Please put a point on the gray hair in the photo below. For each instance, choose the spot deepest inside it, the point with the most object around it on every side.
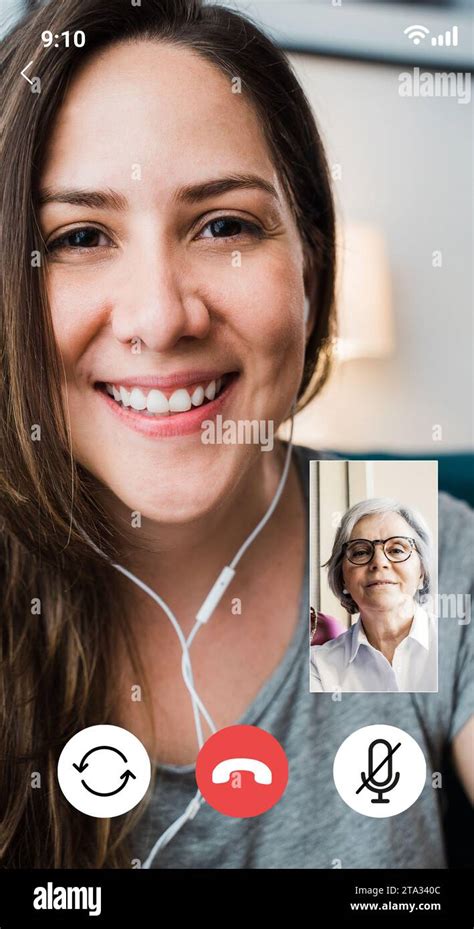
(421, 535)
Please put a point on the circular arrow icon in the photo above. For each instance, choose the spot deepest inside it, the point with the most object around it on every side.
(84, 764)
(103, 752)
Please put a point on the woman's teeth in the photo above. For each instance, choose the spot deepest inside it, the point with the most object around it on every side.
(156, 402)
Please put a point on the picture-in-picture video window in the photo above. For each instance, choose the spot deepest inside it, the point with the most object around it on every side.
(375, 625)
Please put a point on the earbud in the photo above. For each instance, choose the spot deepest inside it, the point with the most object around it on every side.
(306, 309)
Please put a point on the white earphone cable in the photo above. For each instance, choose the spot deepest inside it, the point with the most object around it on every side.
(202, 616)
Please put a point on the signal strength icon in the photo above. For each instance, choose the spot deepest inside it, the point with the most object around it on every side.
(449, 38)
(416, 33)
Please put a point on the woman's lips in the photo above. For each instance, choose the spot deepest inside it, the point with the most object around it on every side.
(381, 584)
(177, 424)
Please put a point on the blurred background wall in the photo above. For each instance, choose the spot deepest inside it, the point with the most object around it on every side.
(406, 171)
(9, 12)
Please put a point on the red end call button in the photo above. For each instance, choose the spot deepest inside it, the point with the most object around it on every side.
(242, 771)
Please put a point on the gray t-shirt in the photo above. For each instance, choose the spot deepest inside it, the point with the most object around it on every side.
(311, 826)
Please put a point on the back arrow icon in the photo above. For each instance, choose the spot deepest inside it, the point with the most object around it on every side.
(25, 69)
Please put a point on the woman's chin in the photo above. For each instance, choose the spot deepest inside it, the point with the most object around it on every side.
(169, 503)
(177, 508)
(382, 600)
(190, 486)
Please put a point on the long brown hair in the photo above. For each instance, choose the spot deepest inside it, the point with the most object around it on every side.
(62, 614)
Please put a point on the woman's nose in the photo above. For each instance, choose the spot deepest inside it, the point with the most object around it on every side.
(379, 559)
(156, 304)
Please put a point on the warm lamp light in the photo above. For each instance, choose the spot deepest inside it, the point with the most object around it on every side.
(364, 299)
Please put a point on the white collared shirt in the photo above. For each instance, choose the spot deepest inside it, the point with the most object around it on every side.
(351, 664)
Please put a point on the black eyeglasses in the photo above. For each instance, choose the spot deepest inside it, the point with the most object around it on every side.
(395, 548)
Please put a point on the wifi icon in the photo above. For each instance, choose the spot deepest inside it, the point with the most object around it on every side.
(416, 33)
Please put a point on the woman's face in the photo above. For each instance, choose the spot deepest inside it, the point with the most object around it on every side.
(161, 286)
(383, 585)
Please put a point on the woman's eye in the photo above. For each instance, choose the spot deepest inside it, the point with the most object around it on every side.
(85, 237)
(226, 227)
(89, 238)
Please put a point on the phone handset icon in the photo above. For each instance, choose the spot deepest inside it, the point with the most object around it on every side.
(222, 771)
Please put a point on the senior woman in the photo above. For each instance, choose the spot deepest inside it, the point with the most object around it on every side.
(380, 568)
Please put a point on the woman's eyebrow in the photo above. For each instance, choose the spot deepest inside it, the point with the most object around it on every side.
(96, 199)
(191, 193)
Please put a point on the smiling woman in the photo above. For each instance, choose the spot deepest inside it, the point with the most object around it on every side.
(380, 568)
(155, 237)
(170, 187)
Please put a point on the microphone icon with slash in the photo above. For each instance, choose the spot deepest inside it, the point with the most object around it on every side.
(380, 785)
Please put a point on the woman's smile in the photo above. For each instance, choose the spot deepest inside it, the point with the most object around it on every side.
(381, 584)
(167, 413)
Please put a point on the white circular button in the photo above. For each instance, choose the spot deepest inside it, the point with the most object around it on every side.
(104, 771)
(379, 771)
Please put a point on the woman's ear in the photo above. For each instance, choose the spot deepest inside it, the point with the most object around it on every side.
(306, 309)
(308, 292)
